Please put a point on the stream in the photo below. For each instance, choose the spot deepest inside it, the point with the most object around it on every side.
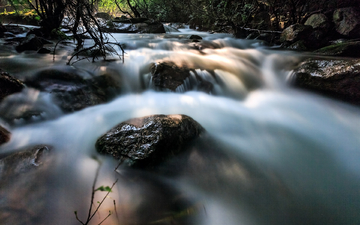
(272, 154)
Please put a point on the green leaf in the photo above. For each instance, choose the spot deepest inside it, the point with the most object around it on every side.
(102, 188)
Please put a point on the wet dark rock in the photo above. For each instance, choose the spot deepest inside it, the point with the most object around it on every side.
(4, 135)
(23, 189)
(9, 85)
(347, 49)
(195, 37)
(347, 21)
(28, 106)
(168, 76)
(150, 140)
(74, 89)
(335, 78)
(31, 42)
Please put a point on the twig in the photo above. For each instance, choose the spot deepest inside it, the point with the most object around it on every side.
(105, 218)
(93, 192)
(116, 213)
(102, 199)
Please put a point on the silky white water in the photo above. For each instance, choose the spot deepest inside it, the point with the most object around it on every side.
(281, 156)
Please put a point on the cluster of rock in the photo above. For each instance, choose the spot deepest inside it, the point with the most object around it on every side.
(321, 30)
(339, 77)
(33, 41)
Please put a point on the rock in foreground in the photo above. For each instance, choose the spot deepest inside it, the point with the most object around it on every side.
(334, 78)
(147, 141)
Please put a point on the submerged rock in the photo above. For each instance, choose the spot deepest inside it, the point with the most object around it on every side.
(167, 76)
(73, 89)
(150, 140)
(335, 78)
(28, 106)
(23, 186)
(9, 85)
(23, 161)
(195, 38)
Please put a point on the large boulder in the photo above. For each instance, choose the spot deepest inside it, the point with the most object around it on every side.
(167, 76)
(338, 78)
(347, 21)
(9, 85)
(74, 89)
(150, 140)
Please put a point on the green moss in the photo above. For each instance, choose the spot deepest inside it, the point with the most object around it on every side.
(350, 49)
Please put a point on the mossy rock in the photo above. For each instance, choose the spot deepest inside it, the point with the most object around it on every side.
(348, 49)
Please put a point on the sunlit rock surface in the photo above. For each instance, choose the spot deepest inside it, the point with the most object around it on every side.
(336, 78)
(149, 140)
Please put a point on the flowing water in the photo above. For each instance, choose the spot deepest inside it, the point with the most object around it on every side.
(272, 154)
